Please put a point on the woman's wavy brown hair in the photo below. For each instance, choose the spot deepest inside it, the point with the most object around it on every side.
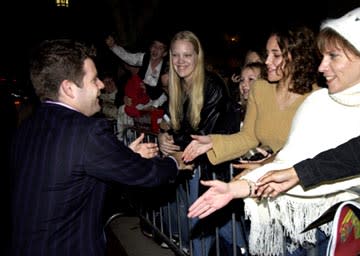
(301, 57)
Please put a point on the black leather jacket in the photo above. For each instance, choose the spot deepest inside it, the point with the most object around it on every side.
(214, 114)
(217, 116)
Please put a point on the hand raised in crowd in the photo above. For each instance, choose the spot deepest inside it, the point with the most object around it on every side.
(167, 145)
(198, 146)
(146, 150)
(275, 182)
(235, 78)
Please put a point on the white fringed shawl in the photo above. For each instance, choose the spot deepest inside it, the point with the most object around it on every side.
(321, 123)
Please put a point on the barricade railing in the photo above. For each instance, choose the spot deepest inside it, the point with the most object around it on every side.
(170, 225)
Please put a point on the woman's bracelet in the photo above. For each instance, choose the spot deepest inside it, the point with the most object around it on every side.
(250, 187)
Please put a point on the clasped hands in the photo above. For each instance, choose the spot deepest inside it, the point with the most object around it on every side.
(169, 148)
(150, 149)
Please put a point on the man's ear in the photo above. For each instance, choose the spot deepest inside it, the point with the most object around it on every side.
(67, 89)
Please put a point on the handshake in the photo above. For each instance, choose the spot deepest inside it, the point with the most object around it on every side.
(180, 162)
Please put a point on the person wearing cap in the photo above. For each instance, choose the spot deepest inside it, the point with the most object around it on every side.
(340, 162)
(326, 119)
(152, 65)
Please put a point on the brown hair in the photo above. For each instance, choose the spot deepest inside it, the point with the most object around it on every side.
(55, 61)
(301, 57)
(329, 37)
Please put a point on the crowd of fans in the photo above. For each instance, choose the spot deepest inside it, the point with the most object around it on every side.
(296, 98)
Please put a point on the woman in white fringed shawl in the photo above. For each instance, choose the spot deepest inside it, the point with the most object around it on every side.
(326, 119)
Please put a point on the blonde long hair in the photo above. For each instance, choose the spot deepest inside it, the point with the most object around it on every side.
(177, 95)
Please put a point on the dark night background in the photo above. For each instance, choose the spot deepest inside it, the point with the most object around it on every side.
(26, 23)
(23, 24)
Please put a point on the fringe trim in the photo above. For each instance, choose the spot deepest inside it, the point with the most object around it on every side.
(264, 231)
(286, 216)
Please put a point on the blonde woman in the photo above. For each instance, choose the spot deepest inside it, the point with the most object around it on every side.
(198, 104)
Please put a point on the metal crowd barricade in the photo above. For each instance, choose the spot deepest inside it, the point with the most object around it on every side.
(163, 223)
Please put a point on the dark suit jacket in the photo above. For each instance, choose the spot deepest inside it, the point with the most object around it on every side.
(333, 164)
(61, 161)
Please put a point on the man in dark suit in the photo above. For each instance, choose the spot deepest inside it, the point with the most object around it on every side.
(62, 157)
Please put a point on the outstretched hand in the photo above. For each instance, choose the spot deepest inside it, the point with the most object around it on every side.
(146, 150)
(275, 182)
(216, 197)
(198, 146)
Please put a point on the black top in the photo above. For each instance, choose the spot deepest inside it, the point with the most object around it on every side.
(340, 162)
(217, 116)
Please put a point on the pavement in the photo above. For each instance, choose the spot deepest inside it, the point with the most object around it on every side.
(126, 239)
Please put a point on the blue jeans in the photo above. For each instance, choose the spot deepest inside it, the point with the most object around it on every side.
(203, 242)
(202, 231)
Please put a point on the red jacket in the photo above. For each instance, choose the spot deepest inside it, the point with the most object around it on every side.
(135, 90)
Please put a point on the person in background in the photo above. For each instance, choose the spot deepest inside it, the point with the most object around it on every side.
(249, 74)
(327, 118)
(164, 123)
(136, 92)
(135, 99)
(151, 63)
(165, 79)
(107, 98)
(251, 56)
(233, 81)
(62, 158)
